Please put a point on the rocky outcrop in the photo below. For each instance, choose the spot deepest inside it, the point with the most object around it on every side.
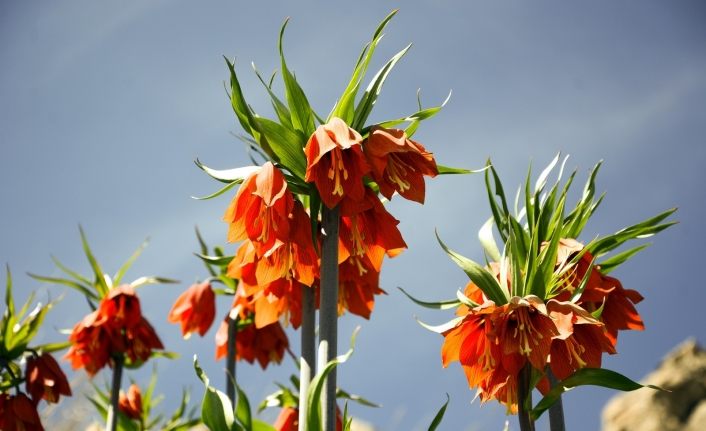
(683, 408)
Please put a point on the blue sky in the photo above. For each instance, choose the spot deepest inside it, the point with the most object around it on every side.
(104, 106)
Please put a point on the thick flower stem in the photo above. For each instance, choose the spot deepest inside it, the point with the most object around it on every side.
(307, 362)
(556, 411)
(524, 398)
(112, 419)
(230, 359)
(328, 314)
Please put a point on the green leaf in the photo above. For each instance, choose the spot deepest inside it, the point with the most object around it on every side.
(287, 144)
(416, 118)
(367, 101)
(613, 262)
(228, 176)
(440, 329)
(313, 396)
(587, 376)
(258, 425)
(439, 415)
(242, 410)
(87, 291)
(143, 281)
(100, 283)
(221, 261)
(340, 393)
(123, 269)
(643, 229)
(479, 275)
(485, 235)
(52, 347)
(344, 108)
(216, 408)
(439, 305)
(9, 302)
(70, 272)
(446, 170)
(217, 193)
(283, 114)
(302, 117)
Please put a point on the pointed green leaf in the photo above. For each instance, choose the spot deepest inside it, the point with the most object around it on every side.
(216, 408)
(587, 376)
(344, 108)
(287, 144)
(87, 291)
(123, 269)
(302, 117)
(440, 329)
(143, 281)
(100, 283)
(439, 305)
(242, 410)
(479, 275)
(613, 262)
(217, 193)
(365, 106)
(283, 114)
(439, 415)
(485, 235)
(228, 176)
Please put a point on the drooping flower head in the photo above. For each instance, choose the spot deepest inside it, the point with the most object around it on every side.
(260, 210)
(130, 404)
(117, 327)
(18, 413)
(263, 345)
(195, 309)
(398, 164)
(288, 420)
(335, 162)
(45, 379)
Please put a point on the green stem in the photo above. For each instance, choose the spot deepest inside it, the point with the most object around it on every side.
(556, 411)
(328, 313)
(307, 362)
(230, 359)
(112, 419)
(524, 398)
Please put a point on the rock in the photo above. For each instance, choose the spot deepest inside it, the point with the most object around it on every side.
(683, 373)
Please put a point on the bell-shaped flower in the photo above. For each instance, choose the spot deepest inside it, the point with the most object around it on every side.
(18, 413)
(260, 210)
(45, 379)
(130, 404)
(265, 345)
(195, 309)
(336, 163)
(398, 164)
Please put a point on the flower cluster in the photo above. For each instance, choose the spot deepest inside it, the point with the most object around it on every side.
(494, 342)
(544, 307)
(115, 329)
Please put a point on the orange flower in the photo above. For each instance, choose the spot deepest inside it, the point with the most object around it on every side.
(493, 343)
(398, 163)
(141, 341)
(91, 345)
(618, 303)
(260, 210)
(121, 308)
(117, 327)
(372, 232)
(18, 413)
(265, 344)
(336, 163)
(581, 341)
(195, 309)
(288, 420)
(131, 404)
(45, 379)
(358, 284)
